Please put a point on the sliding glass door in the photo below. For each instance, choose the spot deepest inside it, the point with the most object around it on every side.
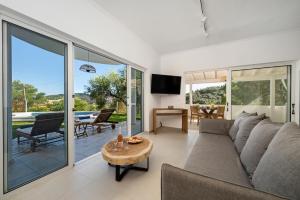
(262, 90)
(35, 105)
(100, 104)
(137, 120)
(35, 108)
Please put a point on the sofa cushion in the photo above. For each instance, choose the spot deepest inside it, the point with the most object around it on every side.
(278, 171)
(215, 126)
(245, 127)
(214, 156)
(235, 127)
(257, 143)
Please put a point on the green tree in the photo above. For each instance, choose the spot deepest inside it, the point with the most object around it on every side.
(281, 92)
(84, 105)
(56, 105)
(250, 92)
(210, 95)
(92, 107)
(109, 88)
(21, 92)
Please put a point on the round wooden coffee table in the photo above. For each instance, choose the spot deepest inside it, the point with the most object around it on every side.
(125, 158)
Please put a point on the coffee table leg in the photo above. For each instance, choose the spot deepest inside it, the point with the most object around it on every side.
(120, 175)
(141, 168)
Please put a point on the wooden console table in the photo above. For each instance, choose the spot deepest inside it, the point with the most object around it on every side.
(171, 112)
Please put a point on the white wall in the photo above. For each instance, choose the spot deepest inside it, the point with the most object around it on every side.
(284, 46)
(87, 21)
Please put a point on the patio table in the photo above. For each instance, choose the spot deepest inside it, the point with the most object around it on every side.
(208, 112)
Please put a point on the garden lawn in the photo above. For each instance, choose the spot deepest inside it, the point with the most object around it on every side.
(118, 117)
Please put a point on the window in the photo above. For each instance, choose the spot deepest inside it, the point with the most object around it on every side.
(262, 90)
(281, 92)
(250, 92)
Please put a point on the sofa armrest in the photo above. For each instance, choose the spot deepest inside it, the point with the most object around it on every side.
(215, 126)
(178, 184)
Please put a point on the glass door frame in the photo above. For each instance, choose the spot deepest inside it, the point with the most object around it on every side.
(291, 84)
(129, 103)
(129, 114)
(68, 91)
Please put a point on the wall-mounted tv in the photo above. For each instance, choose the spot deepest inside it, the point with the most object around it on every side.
(165, 84)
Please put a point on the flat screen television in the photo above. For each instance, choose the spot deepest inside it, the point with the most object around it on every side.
(165, 84)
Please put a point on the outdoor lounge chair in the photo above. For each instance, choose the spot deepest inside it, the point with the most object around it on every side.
(102, 120)
(107, 110)
(43, 125)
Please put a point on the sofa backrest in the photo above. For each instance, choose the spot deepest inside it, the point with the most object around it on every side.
(278, 171)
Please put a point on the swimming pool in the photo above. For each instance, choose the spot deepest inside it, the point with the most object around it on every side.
(30, 116)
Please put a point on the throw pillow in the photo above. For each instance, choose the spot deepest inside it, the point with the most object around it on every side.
(235, 127)
(257, 143)
(278, 171)
(245, 127)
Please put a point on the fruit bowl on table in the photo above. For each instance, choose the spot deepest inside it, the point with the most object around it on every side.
(135, 140)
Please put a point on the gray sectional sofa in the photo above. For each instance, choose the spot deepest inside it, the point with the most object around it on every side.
(261, 160)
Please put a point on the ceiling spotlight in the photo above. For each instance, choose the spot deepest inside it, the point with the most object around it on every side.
(203, 18)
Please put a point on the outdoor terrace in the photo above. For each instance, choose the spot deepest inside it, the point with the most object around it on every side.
(26, 164)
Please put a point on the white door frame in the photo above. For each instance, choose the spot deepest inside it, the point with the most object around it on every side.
(228, 94)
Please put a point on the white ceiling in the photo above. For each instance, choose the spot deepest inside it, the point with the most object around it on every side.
(173, 25)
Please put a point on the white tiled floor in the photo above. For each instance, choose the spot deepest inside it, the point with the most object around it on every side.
(94, 179)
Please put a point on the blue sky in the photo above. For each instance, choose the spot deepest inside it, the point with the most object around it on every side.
(45, 70)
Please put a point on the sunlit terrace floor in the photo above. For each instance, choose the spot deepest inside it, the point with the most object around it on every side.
(26, 165)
